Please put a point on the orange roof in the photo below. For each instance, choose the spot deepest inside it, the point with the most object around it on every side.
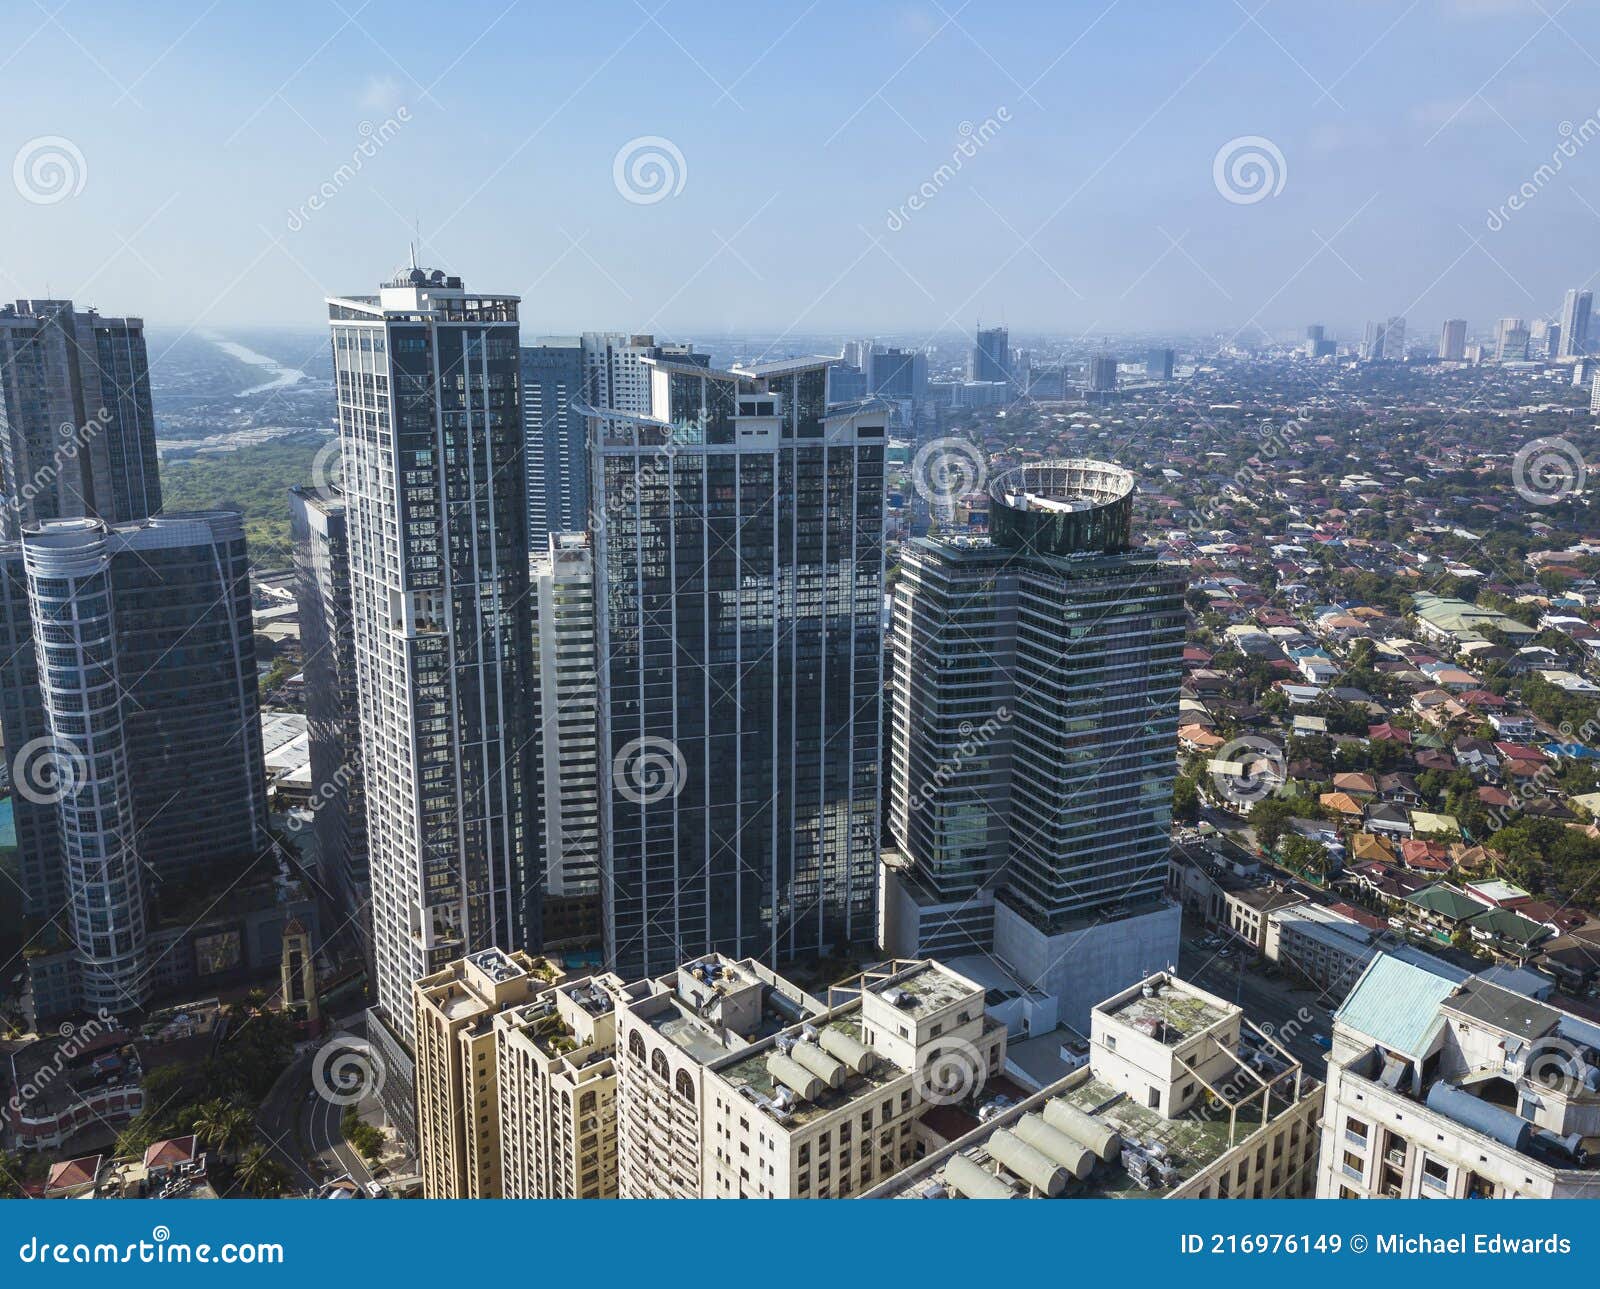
(73, 1172)
(165, 1154)
(1343, 802)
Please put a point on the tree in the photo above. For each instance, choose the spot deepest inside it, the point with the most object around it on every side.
(1185, 800)
(225, 1128)
(260, 1174)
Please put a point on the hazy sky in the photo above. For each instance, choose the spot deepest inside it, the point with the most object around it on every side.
(164, 158)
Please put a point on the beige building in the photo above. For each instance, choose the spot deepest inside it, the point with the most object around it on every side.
(457, 1098)
(731, 1082)
(1182, 1098)
(558, 1090)
(1445, 1085)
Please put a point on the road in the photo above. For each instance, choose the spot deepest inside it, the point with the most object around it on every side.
(1295, 1012)
(302, 1128)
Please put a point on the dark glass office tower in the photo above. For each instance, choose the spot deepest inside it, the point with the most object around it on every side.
(140, 778)
(557, 461)
(77, 434)
(1035, 700)
(430, 425)
(739, 559)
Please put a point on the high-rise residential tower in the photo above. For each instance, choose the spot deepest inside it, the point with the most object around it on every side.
(991, 356)
(426, 378)
(556, 460)
(77, 435)
(327, 639)
(739, 556)
(136, 742)
(564, 644)
(1035, 696)
(1575, 309)
(1453, 340)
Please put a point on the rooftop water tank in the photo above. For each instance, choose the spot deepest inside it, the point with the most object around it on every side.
(1104, 1141)
(1033, 1166)
(794, 1076)
(827, 1069)
(1071, 1154)
(855, 1054)
(973, 1181)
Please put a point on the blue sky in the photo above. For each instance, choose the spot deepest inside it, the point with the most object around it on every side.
(191, 140)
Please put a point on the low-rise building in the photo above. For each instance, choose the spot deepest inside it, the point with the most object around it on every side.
(734, 1083)
(1181, 1098)
(1442, 1084)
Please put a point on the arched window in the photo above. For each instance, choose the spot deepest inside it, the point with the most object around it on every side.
(586, 1103)
(636, 1047)
(658, 1066)
(686, 1086)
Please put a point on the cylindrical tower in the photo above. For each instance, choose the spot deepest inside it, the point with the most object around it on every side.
(68, 565)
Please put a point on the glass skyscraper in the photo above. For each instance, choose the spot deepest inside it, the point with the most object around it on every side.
(1035, 700)
(738, 535)
(426, 377)
(77, 434)
(136, 739)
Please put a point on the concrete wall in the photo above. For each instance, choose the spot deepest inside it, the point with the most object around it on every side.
(1084, 967)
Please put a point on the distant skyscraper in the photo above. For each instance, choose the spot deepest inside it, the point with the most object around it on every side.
(1315, 334)
(426, 379)
(77, 435)
(1575, 323)
(327, 641)
(1384, 340)
(897, 374)
(1049, 655)
(846, 384)
(1158, 364)
(991, 356)
(739, 550)
(557, 461)
(564, 644)
(1102, 373)
(138, 754)
(1453, 340)
(1511, 340)
(1394, 340)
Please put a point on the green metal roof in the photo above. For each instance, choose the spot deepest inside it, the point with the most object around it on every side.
(1446, 902)
(1396, 1001)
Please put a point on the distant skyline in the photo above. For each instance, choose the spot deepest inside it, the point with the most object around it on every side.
(896, 169)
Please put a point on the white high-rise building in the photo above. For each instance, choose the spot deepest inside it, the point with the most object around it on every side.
(564, 636)
(1575, 310)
